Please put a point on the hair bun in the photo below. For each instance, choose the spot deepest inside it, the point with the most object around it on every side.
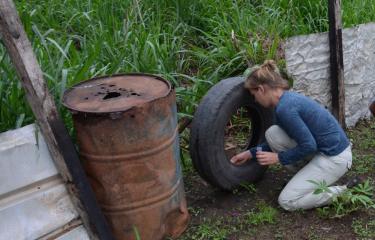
(268, 73)
(270, 64)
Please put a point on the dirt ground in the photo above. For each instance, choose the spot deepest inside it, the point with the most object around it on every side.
(235, 215)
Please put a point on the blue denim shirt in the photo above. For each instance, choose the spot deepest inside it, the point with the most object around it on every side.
(310, 125)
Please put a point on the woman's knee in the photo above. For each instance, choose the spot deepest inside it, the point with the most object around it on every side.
(272, 134)
(290, 198)
(278, 140)
(287, 201)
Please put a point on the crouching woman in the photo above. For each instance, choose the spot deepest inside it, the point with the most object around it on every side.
(306, 139)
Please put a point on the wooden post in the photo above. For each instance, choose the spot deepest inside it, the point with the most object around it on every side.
(336, 61)
(372, 106)
(57, 138)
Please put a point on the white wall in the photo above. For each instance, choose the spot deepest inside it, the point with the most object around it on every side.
(307, 60)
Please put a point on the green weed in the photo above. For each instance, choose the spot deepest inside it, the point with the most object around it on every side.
(363, 163)
(195, 211)
(212, 230)
(363, 137)
(364, 230)
(353, 199)
(321, 187)
(312, 235)
(263, 214)
(249, 187)
(136, 233)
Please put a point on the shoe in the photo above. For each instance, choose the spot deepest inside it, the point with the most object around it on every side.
(355, 181)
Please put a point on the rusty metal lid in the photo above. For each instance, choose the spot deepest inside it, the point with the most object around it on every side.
(115, 93)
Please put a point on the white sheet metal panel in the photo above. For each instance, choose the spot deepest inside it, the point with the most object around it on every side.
(36, 214)
(24, 159)
(33, 198)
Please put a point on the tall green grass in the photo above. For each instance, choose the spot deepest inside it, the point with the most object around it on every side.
(193, 44)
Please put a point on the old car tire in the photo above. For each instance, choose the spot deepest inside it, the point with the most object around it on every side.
(207, 134)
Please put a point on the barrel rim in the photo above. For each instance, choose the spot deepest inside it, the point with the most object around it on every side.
(75, 110)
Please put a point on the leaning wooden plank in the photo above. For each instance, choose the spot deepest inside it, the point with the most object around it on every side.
(58, 141)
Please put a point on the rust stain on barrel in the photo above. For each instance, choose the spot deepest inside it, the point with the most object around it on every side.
(126, 129)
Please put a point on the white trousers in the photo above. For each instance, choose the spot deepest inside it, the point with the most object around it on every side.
(299, 192)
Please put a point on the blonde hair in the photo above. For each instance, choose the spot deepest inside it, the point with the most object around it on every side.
(266, 74)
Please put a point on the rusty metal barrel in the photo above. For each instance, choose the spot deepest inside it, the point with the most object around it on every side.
(126, 128)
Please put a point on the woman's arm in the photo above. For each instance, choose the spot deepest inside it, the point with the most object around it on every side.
(265, 148)
(244, 156)
(292, 123)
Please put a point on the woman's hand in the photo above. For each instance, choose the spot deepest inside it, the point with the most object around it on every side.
(267, 158)
(241, 158)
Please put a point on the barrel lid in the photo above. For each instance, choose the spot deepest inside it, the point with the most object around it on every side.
(115, 93)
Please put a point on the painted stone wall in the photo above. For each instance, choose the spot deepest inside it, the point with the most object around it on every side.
(307, 60)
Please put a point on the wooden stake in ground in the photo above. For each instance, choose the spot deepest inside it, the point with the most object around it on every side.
(57, 138)
(337, 61)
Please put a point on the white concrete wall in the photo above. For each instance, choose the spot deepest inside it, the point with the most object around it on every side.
(307, 60)
(33, 198)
